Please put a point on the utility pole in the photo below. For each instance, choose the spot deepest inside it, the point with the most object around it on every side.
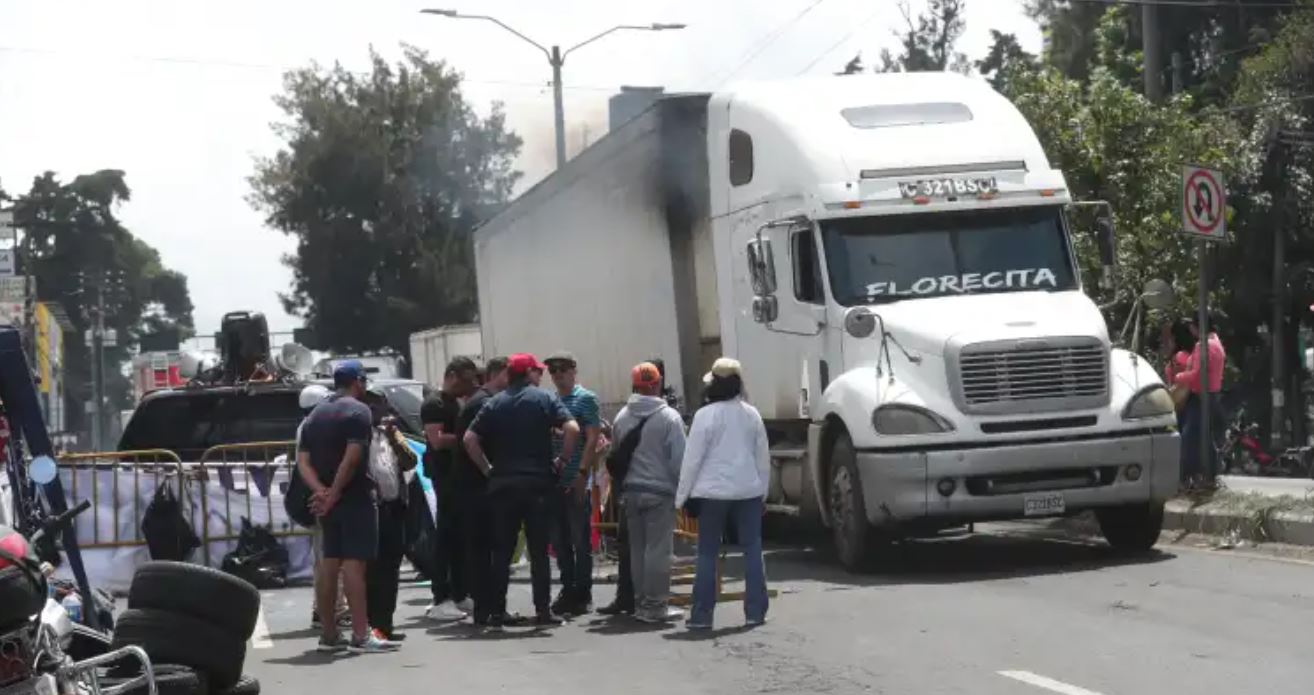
(1152, 50)
(1177, 72)
(558, 106)
(1277, 432)
(556, 58)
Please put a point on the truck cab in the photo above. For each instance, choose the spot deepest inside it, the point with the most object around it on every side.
(895, 269)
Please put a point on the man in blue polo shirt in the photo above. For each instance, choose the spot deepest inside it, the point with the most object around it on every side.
(573, 538)
(510, 441)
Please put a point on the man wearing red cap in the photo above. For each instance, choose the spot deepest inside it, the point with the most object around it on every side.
(510, 440)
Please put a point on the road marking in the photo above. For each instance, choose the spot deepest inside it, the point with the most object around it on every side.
(260, 637)
(1047, 683)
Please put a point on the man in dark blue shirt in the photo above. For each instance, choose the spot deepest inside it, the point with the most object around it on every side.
(510, 441)
(334, 444)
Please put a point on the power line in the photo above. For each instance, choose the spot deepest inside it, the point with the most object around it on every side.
(768, 40)
(205, 62)
(862, 25)
(1207, 4)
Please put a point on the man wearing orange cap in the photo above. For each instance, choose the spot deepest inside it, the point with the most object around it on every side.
(655, 433)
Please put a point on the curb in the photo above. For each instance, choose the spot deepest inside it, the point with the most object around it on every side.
(1270, 525)
(1273, 524)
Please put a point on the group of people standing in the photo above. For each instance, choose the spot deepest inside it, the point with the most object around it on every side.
(512, 459)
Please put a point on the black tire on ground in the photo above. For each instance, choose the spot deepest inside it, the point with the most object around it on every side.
(248, 685)
(173, 638)
(169, 680)
(201, 592)
(1131, 528)
(858, 544)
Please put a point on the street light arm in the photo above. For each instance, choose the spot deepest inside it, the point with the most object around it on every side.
(621, 27)
(494, 20)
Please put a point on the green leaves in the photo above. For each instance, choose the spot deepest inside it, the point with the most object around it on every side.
(78, 249)
(382, 178)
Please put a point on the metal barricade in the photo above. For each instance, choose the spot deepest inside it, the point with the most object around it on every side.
(84, 475)
(248, 475)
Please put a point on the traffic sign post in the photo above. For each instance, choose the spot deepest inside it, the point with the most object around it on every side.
(1204, 216)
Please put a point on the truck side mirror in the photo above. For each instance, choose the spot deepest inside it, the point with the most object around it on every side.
(762, 266)
(1106, 240)
(765, 309)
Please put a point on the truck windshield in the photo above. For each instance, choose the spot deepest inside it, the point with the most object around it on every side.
(874, 260)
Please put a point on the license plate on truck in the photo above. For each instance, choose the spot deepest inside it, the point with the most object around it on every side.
(1043, 504)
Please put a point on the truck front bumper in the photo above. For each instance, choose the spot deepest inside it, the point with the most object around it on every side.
(995, 483)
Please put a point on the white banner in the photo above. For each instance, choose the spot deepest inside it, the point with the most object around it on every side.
(1023, 279)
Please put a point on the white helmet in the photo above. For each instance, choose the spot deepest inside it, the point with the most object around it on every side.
(312, 396)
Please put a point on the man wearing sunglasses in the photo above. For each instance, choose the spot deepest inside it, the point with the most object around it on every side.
(573, 538)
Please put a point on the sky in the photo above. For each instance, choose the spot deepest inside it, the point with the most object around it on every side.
(178, 93)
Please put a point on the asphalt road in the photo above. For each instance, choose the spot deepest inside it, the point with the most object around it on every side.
(1009, 611)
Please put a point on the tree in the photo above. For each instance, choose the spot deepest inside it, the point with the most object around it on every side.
(1006, 56)
(381, 180)
(77, 249)
(853, 67)
(929, 40)
(1114, 145)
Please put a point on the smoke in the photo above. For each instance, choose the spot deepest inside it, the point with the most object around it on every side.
(586, 122)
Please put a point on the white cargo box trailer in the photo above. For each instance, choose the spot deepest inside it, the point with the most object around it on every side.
(432, 349)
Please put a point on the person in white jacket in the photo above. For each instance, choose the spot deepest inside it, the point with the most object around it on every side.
(724, 477)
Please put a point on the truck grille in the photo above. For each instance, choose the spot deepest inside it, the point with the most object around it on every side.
(1033, 375)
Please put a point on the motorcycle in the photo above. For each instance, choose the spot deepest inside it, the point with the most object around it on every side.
(42, 650)
(1242, 453)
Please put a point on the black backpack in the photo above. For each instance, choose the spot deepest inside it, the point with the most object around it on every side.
(169, 535)
(618, 461)
(296, 500)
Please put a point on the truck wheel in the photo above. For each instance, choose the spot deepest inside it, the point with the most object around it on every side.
(856, 543)
(1132, 528)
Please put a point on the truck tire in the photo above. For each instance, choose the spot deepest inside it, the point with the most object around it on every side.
(1132, 528)
(857, 543)
(248, 685)
(213, 596)
(169, 680)
(173, 638)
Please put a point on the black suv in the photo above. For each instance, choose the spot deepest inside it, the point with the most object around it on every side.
(187, 421)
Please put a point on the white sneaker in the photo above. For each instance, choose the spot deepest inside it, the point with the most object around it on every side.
(445, 612)
(466, 606)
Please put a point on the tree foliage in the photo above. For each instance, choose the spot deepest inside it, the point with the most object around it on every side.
(1005, 57)
(77, 248)
(381, 180)
(926, 42)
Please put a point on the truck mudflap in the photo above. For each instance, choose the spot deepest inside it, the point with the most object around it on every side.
(1018, 480)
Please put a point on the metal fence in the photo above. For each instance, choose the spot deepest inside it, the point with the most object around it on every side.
(228, 483)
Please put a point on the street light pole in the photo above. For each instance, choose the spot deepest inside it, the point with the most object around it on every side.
(557, 59)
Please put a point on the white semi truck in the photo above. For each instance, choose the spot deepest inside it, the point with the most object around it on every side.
(889, 256)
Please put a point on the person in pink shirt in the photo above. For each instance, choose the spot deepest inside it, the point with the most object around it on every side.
(1193, 460)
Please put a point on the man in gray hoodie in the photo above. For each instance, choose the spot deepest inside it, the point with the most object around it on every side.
(648, 491)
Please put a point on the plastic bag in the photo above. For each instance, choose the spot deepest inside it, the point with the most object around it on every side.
(259, 558)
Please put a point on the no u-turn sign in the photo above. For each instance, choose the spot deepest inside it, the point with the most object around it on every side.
(1204, 203)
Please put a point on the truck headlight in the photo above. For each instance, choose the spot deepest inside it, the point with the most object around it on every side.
(899, 419)
(1150, 402)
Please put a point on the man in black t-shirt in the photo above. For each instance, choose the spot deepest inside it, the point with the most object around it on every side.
(476, 517)
(439, 414)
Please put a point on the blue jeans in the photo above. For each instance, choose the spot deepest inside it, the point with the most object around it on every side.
(712, 518)
(572, 542)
